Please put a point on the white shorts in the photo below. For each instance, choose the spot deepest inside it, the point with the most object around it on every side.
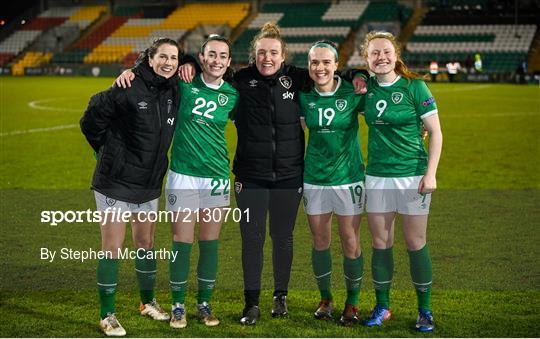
(104, 203)
(396, 195)
(345, 199)
(185, 192)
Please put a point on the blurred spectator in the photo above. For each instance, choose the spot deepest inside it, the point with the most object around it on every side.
(477, 63)
(434, 70)
(521, 71)
(452, 68)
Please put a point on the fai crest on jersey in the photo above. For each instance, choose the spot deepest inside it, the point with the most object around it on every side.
(172, 199)
(222, 99)
(396, 97)
(341, 104)
(285, 81)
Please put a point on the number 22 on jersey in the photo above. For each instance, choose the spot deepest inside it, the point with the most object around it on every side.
(201, 103)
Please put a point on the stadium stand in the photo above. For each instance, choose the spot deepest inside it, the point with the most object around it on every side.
(17, 42)
(476, 26)
(128, 39)
(379, 15)
(192, 15)
(51, 30)
(457, 30)
(30, 59)
(303, 24)
(442, 30)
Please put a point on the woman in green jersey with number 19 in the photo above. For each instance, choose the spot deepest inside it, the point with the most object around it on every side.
(333, 176)
(400, 175)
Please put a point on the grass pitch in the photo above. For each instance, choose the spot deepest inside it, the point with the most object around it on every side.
(483, 228)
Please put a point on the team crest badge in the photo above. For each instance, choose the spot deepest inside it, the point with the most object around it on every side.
(341, 104)
(396, 97)
(110, 201)
(222, 99)
(285, 81)
(238, 187)
(172, 199)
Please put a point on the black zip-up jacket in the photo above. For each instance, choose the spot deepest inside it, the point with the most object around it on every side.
(131, 131)
(270, 138)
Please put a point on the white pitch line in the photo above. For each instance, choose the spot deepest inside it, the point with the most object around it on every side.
(37, 104)
(39, 130)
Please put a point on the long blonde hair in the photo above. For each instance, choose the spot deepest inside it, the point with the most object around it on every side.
(401, 68)
(269, 30)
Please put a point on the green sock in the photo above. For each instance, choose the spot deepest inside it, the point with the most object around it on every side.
(382, 270)
(421, 274)
(353, 269)
(322, 268)
(146, 275)
(179, 271)
(107, 278)
(207, 269)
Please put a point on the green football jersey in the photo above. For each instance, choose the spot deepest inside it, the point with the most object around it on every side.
(333, 155)
(394, 114)
(199, 148)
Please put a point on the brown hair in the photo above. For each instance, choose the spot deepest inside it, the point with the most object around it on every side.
(401, 68)
(216, 37)
(269, 30)
(149, 52)
(229, 73)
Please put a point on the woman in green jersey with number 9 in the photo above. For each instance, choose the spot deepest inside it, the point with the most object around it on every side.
(333, 176)
(400, 175)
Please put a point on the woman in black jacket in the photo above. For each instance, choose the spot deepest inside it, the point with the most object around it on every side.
(131, 131)
(268, 165)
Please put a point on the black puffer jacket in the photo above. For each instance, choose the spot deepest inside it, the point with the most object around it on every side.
(131, 130)
(270, 138)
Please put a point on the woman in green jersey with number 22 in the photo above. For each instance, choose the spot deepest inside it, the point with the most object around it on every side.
(400, 174)
(198, 185)
(333, 176)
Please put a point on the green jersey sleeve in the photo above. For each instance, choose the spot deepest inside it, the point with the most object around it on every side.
(424, 101)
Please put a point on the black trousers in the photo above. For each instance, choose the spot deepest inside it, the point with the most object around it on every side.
(280, 201)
